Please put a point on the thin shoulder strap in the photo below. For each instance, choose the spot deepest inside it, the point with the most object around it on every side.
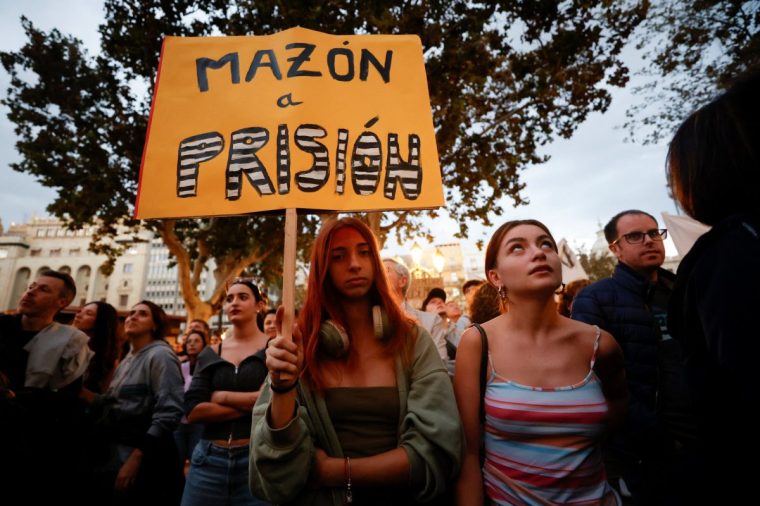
(596, 346)
(483, 369)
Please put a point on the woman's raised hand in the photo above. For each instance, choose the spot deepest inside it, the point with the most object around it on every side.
(284, 355)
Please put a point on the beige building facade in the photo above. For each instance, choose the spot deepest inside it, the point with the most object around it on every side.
(28, 249)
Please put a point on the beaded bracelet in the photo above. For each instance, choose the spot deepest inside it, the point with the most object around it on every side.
(347, 472)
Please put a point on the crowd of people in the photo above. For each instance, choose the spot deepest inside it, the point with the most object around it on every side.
(635, 389)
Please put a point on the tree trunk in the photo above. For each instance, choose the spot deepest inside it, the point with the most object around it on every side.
(373, 222)
(202, 311)
(189, 279)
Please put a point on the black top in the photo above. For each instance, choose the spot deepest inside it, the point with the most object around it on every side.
(213, 373)
(713, 313)
(13, 356)
(40, 429)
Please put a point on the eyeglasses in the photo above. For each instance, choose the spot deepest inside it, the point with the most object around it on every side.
(638, 237)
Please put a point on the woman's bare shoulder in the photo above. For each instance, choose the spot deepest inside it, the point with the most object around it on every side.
(609, 353)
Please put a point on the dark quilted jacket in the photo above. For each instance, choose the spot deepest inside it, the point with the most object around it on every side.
(619, 305)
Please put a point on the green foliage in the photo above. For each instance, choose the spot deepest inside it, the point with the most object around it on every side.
(597, 266)
(505, 78)
(695, 49)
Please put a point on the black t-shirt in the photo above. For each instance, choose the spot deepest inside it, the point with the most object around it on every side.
(13, 356)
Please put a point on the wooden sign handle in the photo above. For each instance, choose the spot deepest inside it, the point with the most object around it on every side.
(289, 272)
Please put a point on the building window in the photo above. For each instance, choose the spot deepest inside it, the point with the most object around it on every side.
(127, 269)
(55, 252)
(75, 251)
(125, 284)
(123, 299)
(3, 253)
(35, 252)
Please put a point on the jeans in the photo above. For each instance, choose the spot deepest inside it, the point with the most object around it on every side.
(219, 476)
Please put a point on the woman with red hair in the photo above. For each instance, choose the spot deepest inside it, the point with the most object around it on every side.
(358, 405)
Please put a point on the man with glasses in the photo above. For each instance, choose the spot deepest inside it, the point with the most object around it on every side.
(632, 306)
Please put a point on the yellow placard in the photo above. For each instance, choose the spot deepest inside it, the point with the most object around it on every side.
(299, 119)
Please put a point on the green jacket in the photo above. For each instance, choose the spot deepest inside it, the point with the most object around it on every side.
(429, 430)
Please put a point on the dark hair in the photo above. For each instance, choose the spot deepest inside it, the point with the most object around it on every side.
(610, 229)
(203, 336)
(104, 342)
(160, 321)
(485, 304)
(323, 303)
(492, 251)
(69, 290)
(250, 284)
(564, 306)
(436, 292)
(471, 283)
(193, 361)
(187, 336)
(257, 297)
(713, 163)
(205, 324)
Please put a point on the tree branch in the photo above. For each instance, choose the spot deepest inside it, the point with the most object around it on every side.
(400, 218)
(229, 270)
(175, 246)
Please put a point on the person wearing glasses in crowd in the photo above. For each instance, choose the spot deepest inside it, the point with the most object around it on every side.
(632, 306)
(222, 393)
(358, 406)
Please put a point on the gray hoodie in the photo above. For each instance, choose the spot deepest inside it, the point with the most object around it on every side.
(145, 397)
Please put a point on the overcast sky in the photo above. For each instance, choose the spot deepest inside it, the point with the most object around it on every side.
(588, 179)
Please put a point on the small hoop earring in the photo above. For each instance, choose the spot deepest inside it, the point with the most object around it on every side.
(561, 289)
(502, 291)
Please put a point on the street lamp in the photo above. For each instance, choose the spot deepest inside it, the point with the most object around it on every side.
(416, 254)
(439, 261)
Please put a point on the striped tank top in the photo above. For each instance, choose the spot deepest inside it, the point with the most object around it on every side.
(543, 445)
